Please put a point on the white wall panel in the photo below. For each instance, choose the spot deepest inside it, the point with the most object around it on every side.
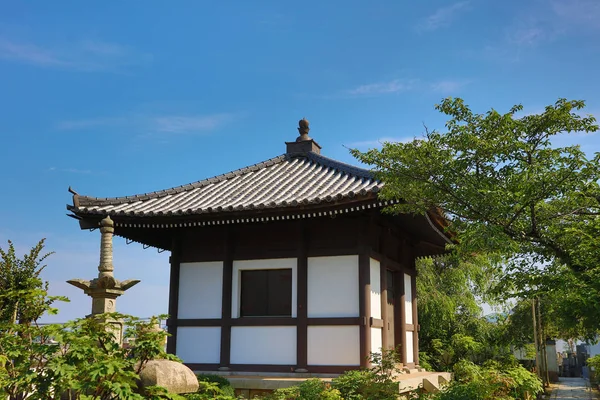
(275, 263)
(200, 290)
(376, 340)
(410, 357)
(263, 345)
(333, 345)
(199, 344)
(333, 286)
(408, 298)
(375, 288)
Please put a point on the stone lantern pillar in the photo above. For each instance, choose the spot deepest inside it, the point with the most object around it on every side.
(105, 289)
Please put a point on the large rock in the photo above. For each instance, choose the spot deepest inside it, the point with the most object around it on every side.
(174, 376)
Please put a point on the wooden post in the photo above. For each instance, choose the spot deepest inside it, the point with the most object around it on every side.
(415, 318)
(226, 302)
(364, 301)
(302, 301)
(384, 307)
(173, 294)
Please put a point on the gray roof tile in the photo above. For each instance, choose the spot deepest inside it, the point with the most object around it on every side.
(285, 181)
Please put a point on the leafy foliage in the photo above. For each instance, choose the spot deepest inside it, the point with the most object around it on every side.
(492, 381)
(365, 384)
(507, 190)
(212, 387)
(80, 359)
(310, 389)
(21, 274)
(452, 325)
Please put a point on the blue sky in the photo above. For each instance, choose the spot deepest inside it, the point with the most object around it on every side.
(118, 98)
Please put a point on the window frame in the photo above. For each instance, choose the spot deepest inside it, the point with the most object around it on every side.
(267, 275)
(262, 264)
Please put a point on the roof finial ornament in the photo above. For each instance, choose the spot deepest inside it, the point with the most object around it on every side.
(303, 130)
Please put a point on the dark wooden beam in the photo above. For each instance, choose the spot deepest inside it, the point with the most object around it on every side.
(316, 369)
(364, 294)
(226, 320)
(401, 301)
(280, 321)
(415, 317)
(174, 294)
(302, 299)
(384, 307)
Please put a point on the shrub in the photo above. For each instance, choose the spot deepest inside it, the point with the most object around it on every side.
(475, 390)
(594, 363)
(466, 371)
(365, 385)
(493, 381)
(222, 383)
(311, 389)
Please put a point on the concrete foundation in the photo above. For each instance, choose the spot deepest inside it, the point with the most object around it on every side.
(250, 384)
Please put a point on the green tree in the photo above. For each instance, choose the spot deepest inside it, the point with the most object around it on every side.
(21, 274)
(80, 358)
(450, 314)
(506, 189)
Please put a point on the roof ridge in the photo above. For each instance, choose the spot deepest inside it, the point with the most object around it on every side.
(192, 185)
(341, 166)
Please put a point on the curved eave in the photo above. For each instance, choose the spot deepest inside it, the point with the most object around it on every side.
(328, 206)
(251, 208)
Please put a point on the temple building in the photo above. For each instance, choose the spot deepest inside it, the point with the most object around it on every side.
(288, 265)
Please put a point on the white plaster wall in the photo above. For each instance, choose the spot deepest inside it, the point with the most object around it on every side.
(200, 290)
(263, 345)
(375, 288)
(333, 345)
(376, 340)
(408, 298)
(409, 348)
(199, 344)
(333, 286)
(275, 263)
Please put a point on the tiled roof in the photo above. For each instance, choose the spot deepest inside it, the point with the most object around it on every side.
(286, 181)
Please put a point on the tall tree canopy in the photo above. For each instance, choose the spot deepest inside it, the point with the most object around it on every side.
(506, 189)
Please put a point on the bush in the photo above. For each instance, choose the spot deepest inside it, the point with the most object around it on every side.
(222, 383)
(493, 381)
(594, 363)
(212, 387)
(311, 389)
(365, 385)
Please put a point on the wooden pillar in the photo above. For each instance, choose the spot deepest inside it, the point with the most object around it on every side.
(302, 301)
(400, 316)
(384, 307)
(415, 316)
(226, 302)
(174, 260)
(364, 301)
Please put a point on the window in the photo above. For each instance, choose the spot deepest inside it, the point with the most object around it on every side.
(266, 293)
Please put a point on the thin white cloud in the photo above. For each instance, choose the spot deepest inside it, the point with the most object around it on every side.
(448, 86)
(186, 124)
(152, 124)
(70, 170)
(580, 13)
(528, 35)
(378, 142)
(548, 20)
(28, 53)
(380, 88)
(86, 55)
(442, 17)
